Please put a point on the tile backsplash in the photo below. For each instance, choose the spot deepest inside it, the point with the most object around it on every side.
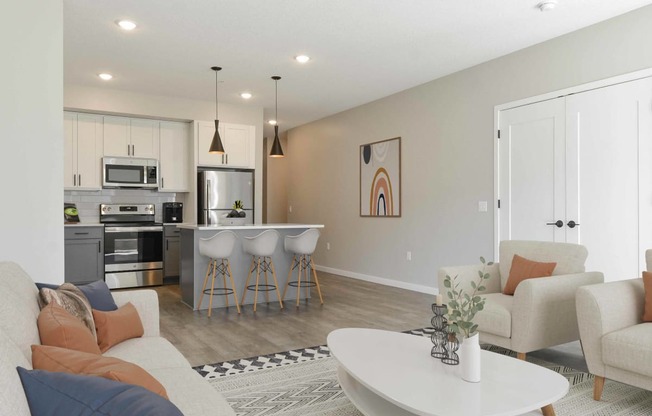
(88, 203)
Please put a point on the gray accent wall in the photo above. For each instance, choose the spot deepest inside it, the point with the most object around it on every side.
(447, 131)
(31, 137)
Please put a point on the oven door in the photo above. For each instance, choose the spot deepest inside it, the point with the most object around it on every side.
(133, 248)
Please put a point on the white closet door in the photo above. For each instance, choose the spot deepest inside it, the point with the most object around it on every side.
(532, 172)
(608, 142)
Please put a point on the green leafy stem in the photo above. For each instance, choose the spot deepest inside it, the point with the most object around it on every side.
(462, 307)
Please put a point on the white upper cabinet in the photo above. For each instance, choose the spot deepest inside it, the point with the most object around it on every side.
(174, 161)
(116, 136)
(239, 144)
(144, 138)
(83, 144)
(131, 137)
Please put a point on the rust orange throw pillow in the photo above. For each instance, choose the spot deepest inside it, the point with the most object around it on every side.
(647, 308)
(58, 328)
(75, 362)
(522, 269)
(116, 326)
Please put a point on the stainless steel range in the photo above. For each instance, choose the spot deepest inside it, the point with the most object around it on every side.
(133, 245)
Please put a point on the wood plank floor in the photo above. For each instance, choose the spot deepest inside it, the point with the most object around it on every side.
(347, 303)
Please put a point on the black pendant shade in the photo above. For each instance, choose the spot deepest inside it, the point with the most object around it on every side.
(277, 150)
(216, 144)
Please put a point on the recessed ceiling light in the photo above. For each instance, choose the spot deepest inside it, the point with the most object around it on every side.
(246, 95)
(547, 5)
(105, 76)
(302, 59)
(272, 122)
(126, 24)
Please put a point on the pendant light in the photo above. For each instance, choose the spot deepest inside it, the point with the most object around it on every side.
(216, 143)
(277, 151)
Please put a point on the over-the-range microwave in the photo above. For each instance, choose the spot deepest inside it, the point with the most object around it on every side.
(123, 172)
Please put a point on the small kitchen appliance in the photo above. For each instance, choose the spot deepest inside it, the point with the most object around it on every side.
(172, 212)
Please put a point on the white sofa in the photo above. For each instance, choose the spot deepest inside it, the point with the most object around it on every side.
(617, 343)
(542, 312)
(18, 331)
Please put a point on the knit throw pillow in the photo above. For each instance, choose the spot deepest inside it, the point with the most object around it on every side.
(70, 298)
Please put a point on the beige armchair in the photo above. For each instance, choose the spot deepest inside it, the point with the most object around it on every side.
(617, 343)
(542, 312)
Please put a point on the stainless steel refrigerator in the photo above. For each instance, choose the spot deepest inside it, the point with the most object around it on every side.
(217, 191)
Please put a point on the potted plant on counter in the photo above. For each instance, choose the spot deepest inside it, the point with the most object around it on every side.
(462, 308)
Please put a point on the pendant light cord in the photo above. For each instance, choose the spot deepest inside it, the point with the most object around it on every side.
(216, 102)
(276, 93)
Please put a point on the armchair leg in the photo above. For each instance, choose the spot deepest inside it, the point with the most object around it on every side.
(598, 385)
(548, 410)
(520, 356)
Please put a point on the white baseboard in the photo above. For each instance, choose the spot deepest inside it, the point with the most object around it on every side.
(380, 280)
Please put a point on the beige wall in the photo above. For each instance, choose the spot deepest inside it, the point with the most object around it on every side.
(31, 138)
(447, 141)
(276, 183)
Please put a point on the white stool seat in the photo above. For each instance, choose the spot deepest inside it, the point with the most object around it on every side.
(302, 246)
(304, 243)
(262, 245)
(219, 246)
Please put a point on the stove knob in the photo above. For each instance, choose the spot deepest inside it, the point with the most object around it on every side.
(108, 209)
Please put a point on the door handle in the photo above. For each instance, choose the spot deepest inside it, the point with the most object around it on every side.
(227, 159)
(162, 182)
(74, 179)
(572, 224)
(80, 180)
(558, 223)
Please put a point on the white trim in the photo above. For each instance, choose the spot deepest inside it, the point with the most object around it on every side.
(380, 280)
(606, 82)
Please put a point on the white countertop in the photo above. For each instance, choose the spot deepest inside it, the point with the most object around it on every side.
(247, 227)
(83, 224)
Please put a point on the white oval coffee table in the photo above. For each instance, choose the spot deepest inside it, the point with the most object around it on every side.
(392, 374)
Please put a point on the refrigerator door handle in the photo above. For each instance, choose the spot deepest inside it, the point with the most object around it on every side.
(208, 194)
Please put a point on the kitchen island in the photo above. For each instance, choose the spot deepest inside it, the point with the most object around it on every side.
(193, 264)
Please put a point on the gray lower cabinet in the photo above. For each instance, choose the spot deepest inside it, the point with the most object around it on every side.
(84, 254)
(171, 251)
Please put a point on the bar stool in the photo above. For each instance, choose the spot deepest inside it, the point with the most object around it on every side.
(302, 246)
(218, 248)
(261, 248)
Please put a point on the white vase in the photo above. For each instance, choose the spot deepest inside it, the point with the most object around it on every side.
(470, 359)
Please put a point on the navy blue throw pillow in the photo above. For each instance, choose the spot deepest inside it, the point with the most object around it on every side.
(97, 293)
(99, 296)
(54, 394)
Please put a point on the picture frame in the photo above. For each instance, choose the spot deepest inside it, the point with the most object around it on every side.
(380, 179)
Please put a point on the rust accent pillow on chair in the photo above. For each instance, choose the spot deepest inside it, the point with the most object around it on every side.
(59, 328)
(75, 362)
(647, 307)
(523, 269)
(116, 326)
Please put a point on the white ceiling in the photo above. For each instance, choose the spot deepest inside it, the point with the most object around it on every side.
(361, 50)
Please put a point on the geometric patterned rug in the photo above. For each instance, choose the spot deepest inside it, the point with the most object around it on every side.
(304, 383)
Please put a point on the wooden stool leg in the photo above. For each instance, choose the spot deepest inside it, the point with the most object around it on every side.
(266, 282)
(299, 280)
(210, 301)
(235, 294)
(306, 287)
(598, 385)
(257, 282)
(287, 283)
(245, 290)
(314, 273)
(548, 410)
(278, 293)
(520, 355)
(224, 280)
(208, 270)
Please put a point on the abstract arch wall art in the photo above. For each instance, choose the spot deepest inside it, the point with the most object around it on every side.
(380, 179)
